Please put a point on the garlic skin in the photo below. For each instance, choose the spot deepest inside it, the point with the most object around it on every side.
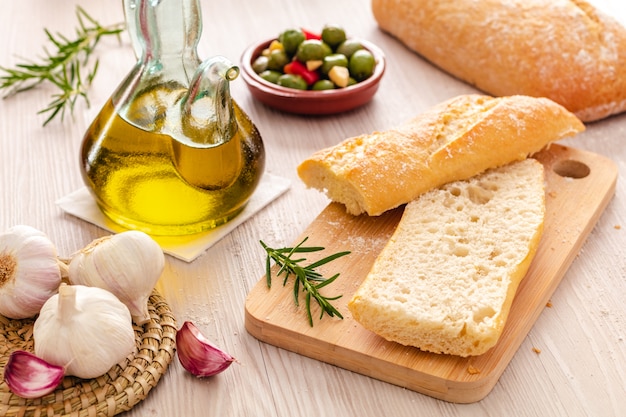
(29, 271)
(128, 264)
(86, 330)
(197, 354)
(30, 376)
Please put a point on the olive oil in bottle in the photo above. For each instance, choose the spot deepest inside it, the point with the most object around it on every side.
(162, 185)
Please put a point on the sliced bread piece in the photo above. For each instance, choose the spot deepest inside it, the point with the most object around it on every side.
(446, 279)
(452, 141)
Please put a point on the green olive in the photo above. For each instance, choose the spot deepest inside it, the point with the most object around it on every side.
(348, 47)
(362, 64)
(333, 35)
(323, 85)
(277, 60)
(332, 61)
(291, 39)
(260, 64)
(313, 50)
(270, 75)
(292, 81)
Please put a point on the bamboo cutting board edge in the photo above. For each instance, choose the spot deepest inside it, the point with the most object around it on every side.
(271, 316)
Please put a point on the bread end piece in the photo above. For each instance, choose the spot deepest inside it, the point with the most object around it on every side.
(454, 140)
(446, 279)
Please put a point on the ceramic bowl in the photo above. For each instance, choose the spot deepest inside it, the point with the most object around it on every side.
(309, 102)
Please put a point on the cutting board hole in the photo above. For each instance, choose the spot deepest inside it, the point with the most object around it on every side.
(571, 169)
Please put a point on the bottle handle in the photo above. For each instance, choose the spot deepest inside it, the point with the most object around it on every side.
(208, 98)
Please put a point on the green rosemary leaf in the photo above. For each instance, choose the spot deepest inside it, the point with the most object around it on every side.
(83, 14)
(327, 281)
(62, 67)
(93, 72)
(299, 248)
(268, 273)
(307, 304)
(296, 287)
(52, 39)
(308, 249)
(306, 279)
(327, 259)
(332, 311)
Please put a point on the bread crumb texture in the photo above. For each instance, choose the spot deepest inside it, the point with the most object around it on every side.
(472, 370)
(446, 279)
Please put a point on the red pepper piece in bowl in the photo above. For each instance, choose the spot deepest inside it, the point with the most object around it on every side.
(298, 68)
(311, 35)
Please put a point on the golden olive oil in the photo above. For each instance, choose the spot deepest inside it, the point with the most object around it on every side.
(155, 182)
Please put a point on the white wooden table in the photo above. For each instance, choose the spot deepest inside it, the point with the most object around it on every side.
(581, 370)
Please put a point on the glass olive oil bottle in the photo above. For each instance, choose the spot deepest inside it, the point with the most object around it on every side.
(168, 154)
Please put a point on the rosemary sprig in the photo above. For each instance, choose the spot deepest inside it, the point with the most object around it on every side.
(67, 68)
(306, 277)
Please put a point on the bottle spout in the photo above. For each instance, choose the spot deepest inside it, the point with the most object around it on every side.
(208, 107)
(218, 68)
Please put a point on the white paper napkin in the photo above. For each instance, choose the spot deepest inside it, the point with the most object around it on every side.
(81, 204)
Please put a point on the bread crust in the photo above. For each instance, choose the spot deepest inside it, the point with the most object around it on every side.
(454, 140)
(565, 50)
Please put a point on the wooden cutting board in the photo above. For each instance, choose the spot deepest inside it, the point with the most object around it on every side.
(579, 185)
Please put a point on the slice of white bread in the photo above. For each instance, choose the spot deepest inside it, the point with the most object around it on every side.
(566, 50)
(454, 140)
(446, 279)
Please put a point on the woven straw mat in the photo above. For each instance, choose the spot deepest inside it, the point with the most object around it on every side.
(123, 386)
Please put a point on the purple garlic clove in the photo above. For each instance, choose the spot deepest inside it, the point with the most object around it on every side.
(198, 355)
(29, 376)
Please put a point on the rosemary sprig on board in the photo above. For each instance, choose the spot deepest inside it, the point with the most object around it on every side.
(70, 67)
(306, 278)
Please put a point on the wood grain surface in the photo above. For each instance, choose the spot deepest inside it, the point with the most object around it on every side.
(579, 371)
(579, 185)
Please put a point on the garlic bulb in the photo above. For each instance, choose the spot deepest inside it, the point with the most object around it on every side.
(86, 330)
(29, 271)
(198, 355)
(30, 376)
(127, 264)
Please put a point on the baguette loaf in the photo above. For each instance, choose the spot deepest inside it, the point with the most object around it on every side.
(565, 50)
(455, 140)
(446, 279)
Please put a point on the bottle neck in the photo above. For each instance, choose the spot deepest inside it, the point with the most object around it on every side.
(165, 34)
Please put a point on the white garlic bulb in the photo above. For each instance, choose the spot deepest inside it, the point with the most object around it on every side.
(127, 264)
(29, 271)
(86, 330)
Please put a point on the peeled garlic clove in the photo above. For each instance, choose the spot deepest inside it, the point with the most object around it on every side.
(30, 376)
(197, 354)
(128, 264)
(29, 271)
